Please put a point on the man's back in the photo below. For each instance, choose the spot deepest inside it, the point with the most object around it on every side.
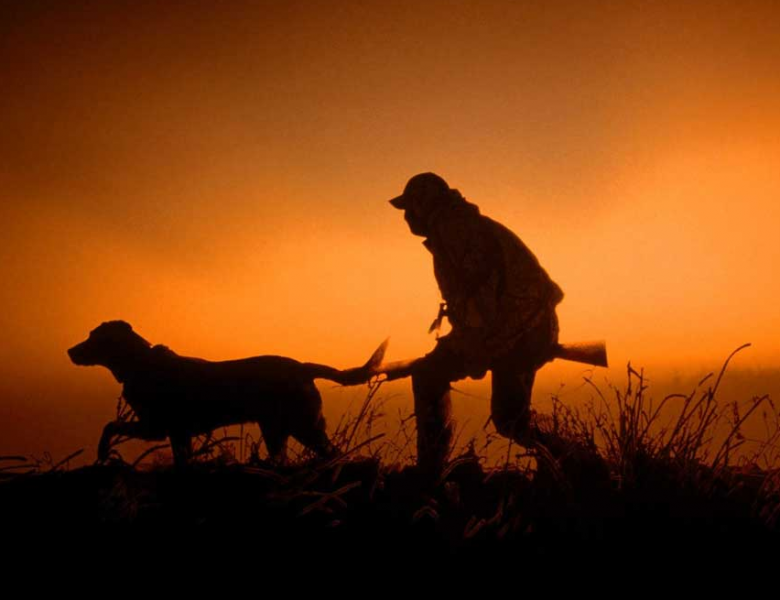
(490, 279)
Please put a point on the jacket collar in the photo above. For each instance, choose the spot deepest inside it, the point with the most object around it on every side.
(445, 212)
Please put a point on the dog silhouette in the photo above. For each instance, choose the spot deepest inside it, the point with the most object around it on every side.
(178, 397)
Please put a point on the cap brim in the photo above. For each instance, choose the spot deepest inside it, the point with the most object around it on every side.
(399, 202)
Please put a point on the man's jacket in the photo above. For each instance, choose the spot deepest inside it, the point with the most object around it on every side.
(494, 287)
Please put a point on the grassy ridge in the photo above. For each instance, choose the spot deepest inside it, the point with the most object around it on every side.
(623, 474)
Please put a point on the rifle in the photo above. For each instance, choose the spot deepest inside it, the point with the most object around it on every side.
(590, 353)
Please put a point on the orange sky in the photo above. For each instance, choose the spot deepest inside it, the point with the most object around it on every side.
(218, 177)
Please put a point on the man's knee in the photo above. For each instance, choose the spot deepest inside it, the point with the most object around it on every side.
(432, 375)
(427, 376)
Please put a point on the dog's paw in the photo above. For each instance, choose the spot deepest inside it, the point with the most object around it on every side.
(103, 453)
(104, 446)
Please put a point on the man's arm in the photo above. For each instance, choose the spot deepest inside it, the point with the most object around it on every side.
(473, 269)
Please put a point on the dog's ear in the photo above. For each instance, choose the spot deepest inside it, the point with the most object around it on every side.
(111, 328)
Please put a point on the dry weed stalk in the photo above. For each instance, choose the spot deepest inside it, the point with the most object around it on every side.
(635, 434)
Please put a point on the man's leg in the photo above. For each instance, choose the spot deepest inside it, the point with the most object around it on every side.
(513, 379)
(431, 379)
(510, 404)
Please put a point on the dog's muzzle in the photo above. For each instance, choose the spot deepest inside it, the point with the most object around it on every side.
(77, 355)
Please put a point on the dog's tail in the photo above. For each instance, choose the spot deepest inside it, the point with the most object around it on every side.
(350, 376)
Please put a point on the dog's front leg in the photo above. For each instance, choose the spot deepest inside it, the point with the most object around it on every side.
(134, 429)
(109, 431)
(181, 444)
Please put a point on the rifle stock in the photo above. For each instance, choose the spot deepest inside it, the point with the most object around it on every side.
(590, 353)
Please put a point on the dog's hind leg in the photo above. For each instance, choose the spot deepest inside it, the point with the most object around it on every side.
(275, 443)
(316, 439)
(307, 424)
(320, 443)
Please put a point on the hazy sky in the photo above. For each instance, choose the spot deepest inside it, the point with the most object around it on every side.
(218, 175)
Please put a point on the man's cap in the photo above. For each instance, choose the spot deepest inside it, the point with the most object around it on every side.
(424, 185)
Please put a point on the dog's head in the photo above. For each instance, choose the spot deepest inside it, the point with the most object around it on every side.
(113, 344)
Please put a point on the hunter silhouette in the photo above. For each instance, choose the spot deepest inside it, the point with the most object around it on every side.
(500, 303)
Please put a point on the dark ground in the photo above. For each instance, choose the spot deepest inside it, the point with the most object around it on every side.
(572, 509)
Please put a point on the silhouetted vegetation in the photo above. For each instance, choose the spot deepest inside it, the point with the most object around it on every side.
(622, 473)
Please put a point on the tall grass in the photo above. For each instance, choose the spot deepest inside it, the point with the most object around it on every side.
(684, 431)
(694, 442)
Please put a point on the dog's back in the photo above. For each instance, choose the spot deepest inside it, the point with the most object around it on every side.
(198, 394)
